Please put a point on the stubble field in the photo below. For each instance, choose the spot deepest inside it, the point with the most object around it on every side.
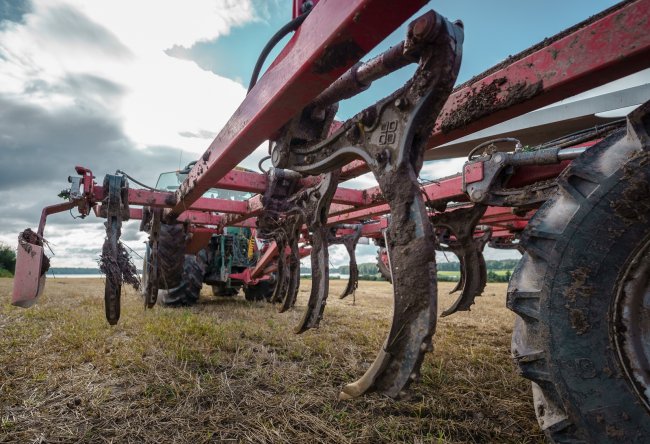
(228, 370)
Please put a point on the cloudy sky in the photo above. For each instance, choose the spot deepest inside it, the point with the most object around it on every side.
(145, 85)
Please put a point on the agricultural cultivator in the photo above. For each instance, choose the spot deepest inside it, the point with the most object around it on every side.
(577, 207)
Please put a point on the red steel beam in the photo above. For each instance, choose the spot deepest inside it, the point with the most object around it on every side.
(616, 45)
(253, 182)
(52, 209)
(334, 37)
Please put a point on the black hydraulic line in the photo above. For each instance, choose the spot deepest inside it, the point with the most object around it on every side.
(122, 173)
(282, 32)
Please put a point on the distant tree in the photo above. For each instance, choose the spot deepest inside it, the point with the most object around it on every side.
(7, 258)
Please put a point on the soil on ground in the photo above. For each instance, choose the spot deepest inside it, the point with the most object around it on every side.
(228, 370)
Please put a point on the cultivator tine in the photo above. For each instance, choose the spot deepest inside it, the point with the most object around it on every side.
(316, 207)
(153, 266)
(319, 281)
(289, 298)
(473, 273)
(353, 279)
(350, 242)
(283, 273)
(412, 256)
(390, 136)
(113, 284)
(114, 261)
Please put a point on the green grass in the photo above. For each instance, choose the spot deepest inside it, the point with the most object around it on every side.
(232, 370)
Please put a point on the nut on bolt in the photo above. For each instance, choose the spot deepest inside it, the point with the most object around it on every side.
(425, 26)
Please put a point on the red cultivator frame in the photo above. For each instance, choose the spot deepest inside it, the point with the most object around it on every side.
(577, 294)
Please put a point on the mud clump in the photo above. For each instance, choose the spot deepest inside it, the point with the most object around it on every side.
(26, 239)
(121, 270)
(487, 100)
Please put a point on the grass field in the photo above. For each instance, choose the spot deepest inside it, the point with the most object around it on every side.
(232, 371)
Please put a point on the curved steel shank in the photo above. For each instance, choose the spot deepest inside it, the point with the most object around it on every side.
(349, 241)
(391, 138)
(473, 272)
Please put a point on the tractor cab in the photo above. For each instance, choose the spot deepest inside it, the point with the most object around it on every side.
(171, 180)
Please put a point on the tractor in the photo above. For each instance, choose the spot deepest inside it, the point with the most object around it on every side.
(218, 264)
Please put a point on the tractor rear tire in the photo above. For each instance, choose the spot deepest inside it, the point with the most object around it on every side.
(171, 252)
(260, 292)
(187, 293)
(582, 334)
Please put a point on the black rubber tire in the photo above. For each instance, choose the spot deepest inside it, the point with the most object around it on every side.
(221, 290)
(260, 292)
(578, 246)
(171, 252)
(187, 293)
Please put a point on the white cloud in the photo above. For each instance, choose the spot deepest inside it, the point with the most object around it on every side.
(123, 43)
(107, 58)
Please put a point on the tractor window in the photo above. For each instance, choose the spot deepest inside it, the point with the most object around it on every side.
(169, 181)
(172, 180)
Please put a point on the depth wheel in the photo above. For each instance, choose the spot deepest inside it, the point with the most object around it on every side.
(581, 293)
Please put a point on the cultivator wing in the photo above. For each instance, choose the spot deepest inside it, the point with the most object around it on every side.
(300, 209)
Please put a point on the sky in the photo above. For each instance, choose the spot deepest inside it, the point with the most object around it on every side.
(144, 86)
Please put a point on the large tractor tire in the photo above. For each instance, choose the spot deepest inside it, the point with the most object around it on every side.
(171, 252)
(189, 289)
(582, 296)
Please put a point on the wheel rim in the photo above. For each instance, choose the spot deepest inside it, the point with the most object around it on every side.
(632, 323)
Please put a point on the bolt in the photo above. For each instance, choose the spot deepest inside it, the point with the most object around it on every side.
(424, 26)
(382, 156)
(402, 103)
(497, 158)
(477, 195)
(421, 27)
(353, 134)
(368, 116)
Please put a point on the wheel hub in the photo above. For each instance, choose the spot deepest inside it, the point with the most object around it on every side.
(632, 323)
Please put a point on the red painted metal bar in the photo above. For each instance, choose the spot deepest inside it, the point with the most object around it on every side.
(264, 261)
(336, 35)
(243, 181)
(494, 216)
(52, 209)
(256, 183)
(607, 49)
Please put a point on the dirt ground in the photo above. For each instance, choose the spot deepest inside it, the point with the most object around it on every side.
(232, 371)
